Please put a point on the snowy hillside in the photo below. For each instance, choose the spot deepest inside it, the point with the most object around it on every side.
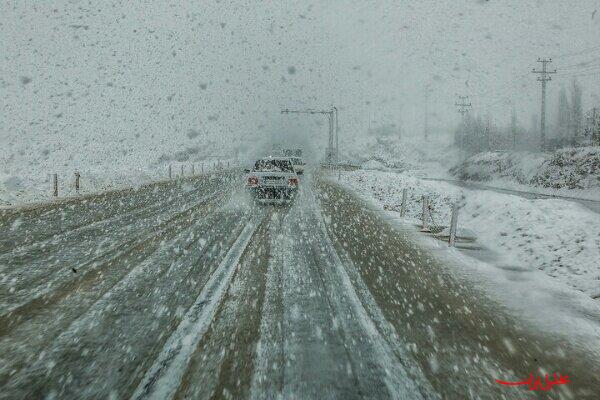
(575, 169)
(570, 168)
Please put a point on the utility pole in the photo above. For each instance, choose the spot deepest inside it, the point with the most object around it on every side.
(513, 127)
(426, 124)
(592, 125)
(463, 108)
(331, 154)
(486, 133)
(337, 138)
(543, 77)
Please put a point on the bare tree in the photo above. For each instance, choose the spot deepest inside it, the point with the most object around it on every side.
(563, 116)
(592, 125)
(513, 127)
(576, 109)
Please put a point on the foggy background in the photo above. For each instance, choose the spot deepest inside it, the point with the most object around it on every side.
(133, 83)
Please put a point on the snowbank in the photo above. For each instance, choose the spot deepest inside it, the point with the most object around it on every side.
(558, 237)
(575, 170)
(570, 168)
(38, 187)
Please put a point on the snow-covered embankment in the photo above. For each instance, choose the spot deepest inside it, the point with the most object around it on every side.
(558, 237)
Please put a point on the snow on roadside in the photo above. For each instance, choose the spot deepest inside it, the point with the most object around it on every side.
(17, 190)
(36, 185)
(558, 237)
(567, 172)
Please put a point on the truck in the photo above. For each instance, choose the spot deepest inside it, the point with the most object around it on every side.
(291, 153)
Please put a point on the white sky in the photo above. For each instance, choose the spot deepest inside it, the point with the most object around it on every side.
(126, 80)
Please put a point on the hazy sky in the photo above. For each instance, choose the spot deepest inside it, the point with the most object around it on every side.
(127, 80)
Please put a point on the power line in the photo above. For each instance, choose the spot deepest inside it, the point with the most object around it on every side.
(581, 73)
(572, 70)
(507, 85)
(579, 52)
(581, 70)
(583, 64)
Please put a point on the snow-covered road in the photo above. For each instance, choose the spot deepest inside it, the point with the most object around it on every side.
(188, 290)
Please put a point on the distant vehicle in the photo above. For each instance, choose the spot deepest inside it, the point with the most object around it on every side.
(273, 178)
(298, 165)
(291, 152)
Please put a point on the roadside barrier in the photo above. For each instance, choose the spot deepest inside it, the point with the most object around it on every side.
(77, 176)
(403, 206)
(425, 215)
(216, 166)
(77, 183)
(429, 224)
(453, 225)
(55, 184)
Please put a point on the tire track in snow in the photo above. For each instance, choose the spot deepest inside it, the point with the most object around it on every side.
(57, 289)
(69, 324)
(47, 220)
(269, 359)
(229, 345)
(399, 383)
(324, 342)
(152, 202)
(32, 263)
(164, 376)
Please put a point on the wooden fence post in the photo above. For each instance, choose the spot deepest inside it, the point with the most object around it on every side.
(182, 170)
(55, 184)
(425, 215)
(403, 205)
(77, 176)
(193, 170)
(170, 174)
(453, 225)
